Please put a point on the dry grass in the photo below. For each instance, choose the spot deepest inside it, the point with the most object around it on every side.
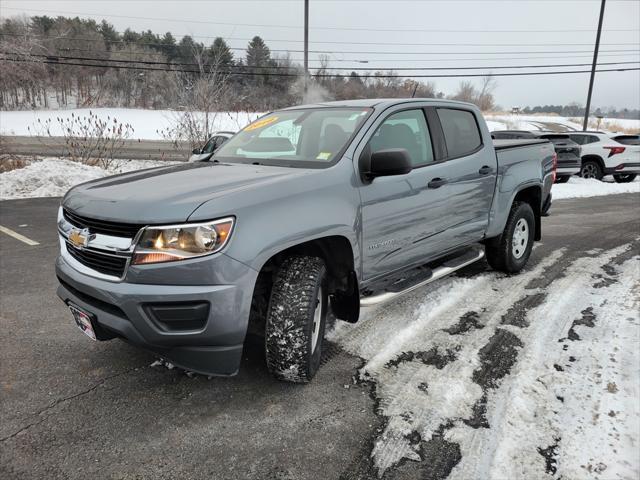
(9, 161)
(610, 125)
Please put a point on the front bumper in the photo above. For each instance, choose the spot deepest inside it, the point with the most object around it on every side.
(125, 309)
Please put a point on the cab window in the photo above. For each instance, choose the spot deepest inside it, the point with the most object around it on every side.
(460, 130)
(407, 129)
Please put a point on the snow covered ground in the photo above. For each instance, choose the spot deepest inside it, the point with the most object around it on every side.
(52, 177)
(540, 122)
(578, 187)
(148, 123)
(524, 383)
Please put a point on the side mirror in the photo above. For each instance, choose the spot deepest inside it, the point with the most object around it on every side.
(393, 161)
(196, 151)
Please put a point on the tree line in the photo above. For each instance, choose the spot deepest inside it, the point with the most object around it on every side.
(43, 64)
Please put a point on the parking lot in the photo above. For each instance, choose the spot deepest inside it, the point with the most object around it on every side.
(72, 408)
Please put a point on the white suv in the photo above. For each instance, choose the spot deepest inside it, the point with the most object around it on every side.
(602, 155)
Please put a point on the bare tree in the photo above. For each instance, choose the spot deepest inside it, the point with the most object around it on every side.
(485, 100)
(200, 97)
(88, 138)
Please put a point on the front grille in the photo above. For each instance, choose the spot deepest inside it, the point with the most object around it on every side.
(103, 263)
(115, 229)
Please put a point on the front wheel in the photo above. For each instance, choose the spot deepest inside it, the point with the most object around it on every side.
(296, 319)
(510, 252)
(591, 169)
(624, 178)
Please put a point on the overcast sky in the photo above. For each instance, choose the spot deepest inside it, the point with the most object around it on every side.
(553, 31)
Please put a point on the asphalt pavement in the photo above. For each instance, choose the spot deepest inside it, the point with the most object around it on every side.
(130, 149)
(73, 408)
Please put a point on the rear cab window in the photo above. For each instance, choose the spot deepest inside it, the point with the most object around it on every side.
(461, 132)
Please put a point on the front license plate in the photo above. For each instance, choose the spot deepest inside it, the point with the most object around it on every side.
(83, 321)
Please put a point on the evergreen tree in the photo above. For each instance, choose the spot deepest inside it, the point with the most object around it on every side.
(221, 54)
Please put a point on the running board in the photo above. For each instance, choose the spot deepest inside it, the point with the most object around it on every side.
(443, 270)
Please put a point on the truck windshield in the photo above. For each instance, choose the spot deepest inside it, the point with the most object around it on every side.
(313, 137)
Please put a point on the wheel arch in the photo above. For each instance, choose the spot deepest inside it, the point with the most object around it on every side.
(595, 158)
(338, 256)
(533, 196)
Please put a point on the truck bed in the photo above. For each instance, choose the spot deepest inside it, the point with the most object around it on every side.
(507, 144)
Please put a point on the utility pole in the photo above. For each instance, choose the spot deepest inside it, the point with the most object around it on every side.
(306, 44)
(593, 68)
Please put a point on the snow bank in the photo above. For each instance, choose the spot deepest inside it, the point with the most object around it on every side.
(52, 177)
(578, 187)
(145, 123)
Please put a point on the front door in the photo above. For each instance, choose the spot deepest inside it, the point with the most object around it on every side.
(401, 215)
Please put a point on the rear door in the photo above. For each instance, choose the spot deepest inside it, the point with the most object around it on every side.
(469, 170)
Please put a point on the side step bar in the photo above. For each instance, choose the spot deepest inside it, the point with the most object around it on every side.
(443, 270)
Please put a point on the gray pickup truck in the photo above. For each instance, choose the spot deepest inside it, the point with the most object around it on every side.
(310, 211)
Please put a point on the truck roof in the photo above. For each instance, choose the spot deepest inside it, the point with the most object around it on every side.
(379, 102)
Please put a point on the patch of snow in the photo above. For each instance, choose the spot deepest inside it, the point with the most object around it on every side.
(53, 177)
(146, 123)
(558, 395)
(578, 187)
(417, 323)
(420, 395)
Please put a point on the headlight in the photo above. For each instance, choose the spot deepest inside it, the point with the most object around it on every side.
(177, 242)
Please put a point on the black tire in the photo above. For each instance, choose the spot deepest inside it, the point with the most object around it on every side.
(591, 169)
(563, 179)
(500, 250)
(624, 178)
(290, 319)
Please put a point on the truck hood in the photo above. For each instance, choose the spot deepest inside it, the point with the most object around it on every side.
(169, 194)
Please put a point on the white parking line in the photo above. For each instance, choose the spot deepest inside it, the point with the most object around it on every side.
(17, 236)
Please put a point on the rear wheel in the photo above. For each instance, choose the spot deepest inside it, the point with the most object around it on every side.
(624, 178)
(563, 179)
(296, 319)
(510, 252)
(591, 169)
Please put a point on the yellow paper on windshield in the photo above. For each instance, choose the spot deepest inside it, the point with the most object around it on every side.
(260, 123)
(324, 156)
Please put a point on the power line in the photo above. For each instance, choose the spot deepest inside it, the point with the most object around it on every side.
(54, 58)
(367, 52)
(360, 61)
(258, 74)
(176, 45)
(428, 44)
(297, 27)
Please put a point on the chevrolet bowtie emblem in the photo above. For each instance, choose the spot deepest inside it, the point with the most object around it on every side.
(79, 238)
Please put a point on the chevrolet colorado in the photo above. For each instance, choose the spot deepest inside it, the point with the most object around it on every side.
(306, 211)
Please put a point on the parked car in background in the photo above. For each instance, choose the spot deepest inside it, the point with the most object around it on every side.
(567, 150)
(602, 155)
(215, 142)
(308, 210)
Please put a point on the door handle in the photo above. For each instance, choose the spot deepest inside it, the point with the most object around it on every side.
(437, 182)
(485, 170)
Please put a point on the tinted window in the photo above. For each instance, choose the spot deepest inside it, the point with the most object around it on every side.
(579, 139)
(210, 146)
(628, 139)
(460, 131)
(408, 130)
(220, 140)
